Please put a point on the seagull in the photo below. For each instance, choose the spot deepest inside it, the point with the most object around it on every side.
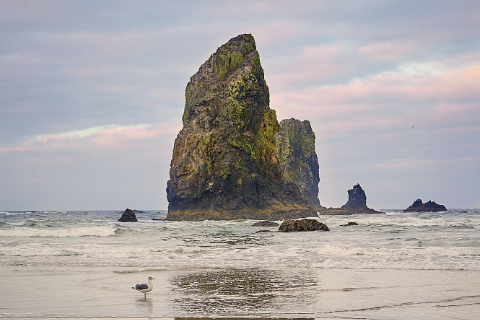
(145, 287)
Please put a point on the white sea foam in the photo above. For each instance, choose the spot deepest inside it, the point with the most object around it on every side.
(8, 213)
(397, 240)
(71, 232)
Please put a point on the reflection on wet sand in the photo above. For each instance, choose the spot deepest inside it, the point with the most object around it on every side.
(242, 290)
(145, 304)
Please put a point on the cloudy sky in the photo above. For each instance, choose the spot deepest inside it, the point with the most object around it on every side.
(92, 94)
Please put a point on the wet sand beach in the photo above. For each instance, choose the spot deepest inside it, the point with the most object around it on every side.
(72, 292)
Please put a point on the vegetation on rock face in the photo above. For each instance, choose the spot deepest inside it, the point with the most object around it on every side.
(298, 159)
(224, 163)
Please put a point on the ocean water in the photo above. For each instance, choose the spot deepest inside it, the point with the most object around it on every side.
(391, 266)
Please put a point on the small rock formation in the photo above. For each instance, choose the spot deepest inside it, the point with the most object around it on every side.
(128, 216)
(265, 224)
(224, 164)
(357, 199)
(430, 206)
(302, 225)
(357, 203)
(298, 159)
(351, 223)
(263, 231)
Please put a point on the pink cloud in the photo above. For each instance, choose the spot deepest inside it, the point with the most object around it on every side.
(104, 43)
(381, 90)
(423, 164)
(390, 50)
(386, 101)
(311, 64)
(99, 140)
(277, 31)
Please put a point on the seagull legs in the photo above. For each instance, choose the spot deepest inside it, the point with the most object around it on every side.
(145, 295)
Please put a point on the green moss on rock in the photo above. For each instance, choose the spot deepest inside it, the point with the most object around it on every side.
(298, 159)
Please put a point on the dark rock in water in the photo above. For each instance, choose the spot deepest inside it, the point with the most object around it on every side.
(262, 231)
(128, 216)
(298, 159)
(352, 223)
(224, 164)
(302, 225)
(357, 203)
(265, 224)
(430, 206)
(357, 199)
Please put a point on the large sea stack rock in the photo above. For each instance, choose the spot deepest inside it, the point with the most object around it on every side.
(224, 164)
(298, 159)
(357, 203)
(430, 206)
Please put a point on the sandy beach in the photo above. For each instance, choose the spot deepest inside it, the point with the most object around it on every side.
(72, 292)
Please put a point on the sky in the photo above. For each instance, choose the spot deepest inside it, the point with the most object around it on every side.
(92, 94)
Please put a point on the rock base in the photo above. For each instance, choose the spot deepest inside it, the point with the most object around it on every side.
(200, 215)
(336, 211)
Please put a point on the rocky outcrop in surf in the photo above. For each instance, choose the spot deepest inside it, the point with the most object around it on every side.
(302, 225)
(224, 164)
(430, 206)
(298, 159)
(128, 216)
(351, 223)
(267, 224)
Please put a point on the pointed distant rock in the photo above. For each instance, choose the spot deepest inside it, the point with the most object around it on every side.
(128, 216)
(430, 206)
(357, 203)
(298, 159)
(224, 164)
(357, 199)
